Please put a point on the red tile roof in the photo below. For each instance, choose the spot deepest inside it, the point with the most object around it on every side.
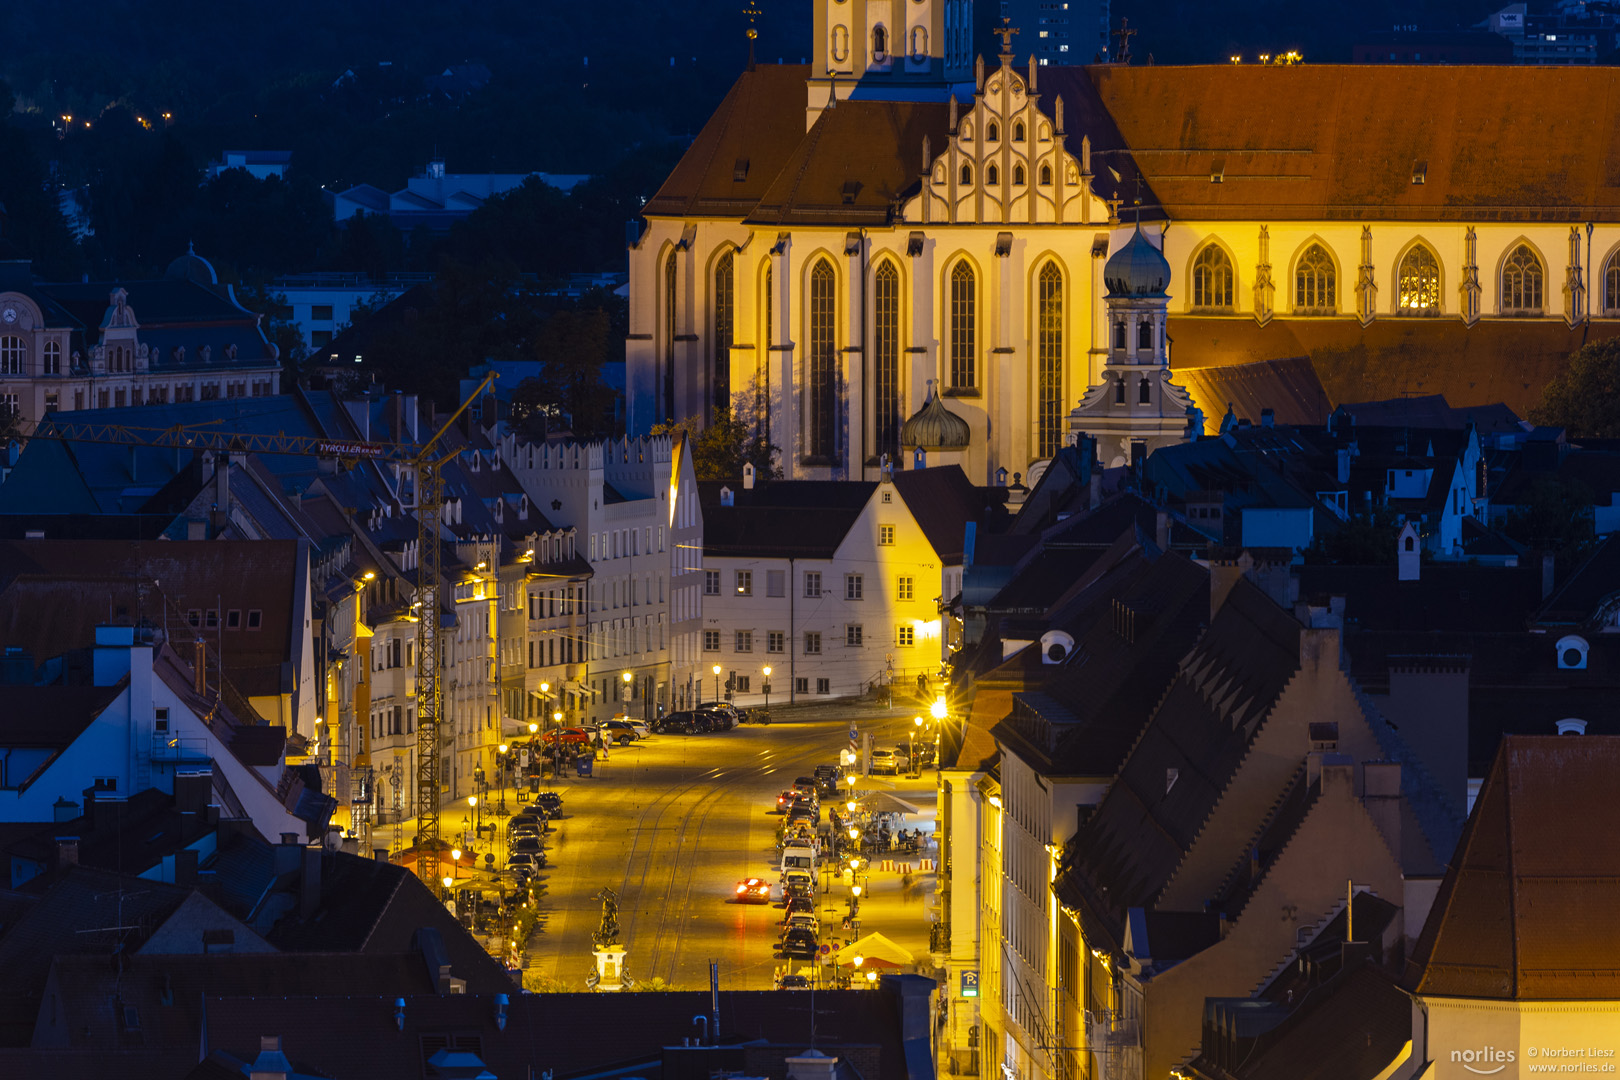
(1526, 909)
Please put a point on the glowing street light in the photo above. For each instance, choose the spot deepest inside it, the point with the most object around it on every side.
(937, 709)
(717, 682)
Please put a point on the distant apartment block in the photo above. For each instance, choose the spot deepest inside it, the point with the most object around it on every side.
(1060, 31)
(322, 305)
(260, 164)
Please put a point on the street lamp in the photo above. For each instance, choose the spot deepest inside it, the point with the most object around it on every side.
(717, 682)
(628, 693)
(911, 736)
(937, 709)
(502, 765)
(766, 686)
(472, 804)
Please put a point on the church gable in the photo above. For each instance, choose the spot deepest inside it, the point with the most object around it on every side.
(1005, 160)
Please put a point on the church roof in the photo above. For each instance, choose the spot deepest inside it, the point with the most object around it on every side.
(1415, 142)
(1510, 364)
(1525, 910)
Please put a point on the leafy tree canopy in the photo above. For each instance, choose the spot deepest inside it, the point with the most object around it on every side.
(1585, 398)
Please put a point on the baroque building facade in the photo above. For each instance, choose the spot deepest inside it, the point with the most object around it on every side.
(940, 225)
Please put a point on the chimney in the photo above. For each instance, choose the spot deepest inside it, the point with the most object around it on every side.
(185, 867)
(309, 882)
(271, 1064)
(1408, 554)
(1547, 575)
(1268, 418)
(67, 851)
(286, 854)
(1161, 530)
(64, 810)
(811, 1065)
(380, 854)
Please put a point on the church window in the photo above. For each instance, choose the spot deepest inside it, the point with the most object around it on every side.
(1144, 392)
(840, 44)
(53, 358)
(919, 43)
(1521, 283)
(1144, 335)
(1049, 355)
(823, 361)
(886, 339)
(1212, 280)
(765, 306)
(1417, 285)
(1018, 175)
(669, 337)
(1314, 282)
(12, 354)
(725, 307)
(1018, 131)
(964, 327)
(992, 132)
(1119, 390)
(967, 175)
(1046, 176)
(1611, 285)
(880, 44)
(991, 176)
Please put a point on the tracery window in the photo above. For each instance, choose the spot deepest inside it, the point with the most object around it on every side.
(1611, 285)
(991, 176)
(1417, 285)
(1049, 357)
(823, 360)
(1212, 280)
(669, 337)
(1018, 175)
(1521, 282)
(725, 311)
(967, 175)
(1018, 131)
(13, 354)
(886, 374)
(1315, 282)
(964, 327)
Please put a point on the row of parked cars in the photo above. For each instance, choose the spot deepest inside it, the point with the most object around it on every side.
(525, 836)
(801, 852)
(620, 731)
(714, 716)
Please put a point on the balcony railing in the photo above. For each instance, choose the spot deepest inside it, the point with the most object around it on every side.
(1109, 1029)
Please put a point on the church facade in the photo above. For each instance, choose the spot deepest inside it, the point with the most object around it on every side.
(844, 240)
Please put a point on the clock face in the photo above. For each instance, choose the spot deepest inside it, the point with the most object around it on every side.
(10, 315)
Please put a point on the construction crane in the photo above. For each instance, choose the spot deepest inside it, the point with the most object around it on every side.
(426, 462)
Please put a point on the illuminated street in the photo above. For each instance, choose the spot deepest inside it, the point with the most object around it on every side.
(672, 824)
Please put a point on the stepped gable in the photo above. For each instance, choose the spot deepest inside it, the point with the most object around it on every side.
(1186, 756)
(1525, 912)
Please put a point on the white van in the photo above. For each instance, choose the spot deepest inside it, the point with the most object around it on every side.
(799, 856)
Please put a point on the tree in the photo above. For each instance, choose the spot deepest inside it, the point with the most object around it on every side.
(1363, 540)
(1585, 398)
(1556, 516)
(720, 449)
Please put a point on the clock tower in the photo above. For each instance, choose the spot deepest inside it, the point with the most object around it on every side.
(890, 50)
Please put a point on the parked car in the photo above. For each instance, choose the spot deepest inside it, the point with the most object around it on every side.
(798, 883)
(530, 844)
(753, 891)
(798, 905)
(549, 801)
(577, 736)
(803, 811)
(827, 777)
(801, 921)
(525, 827)
(525, 863)
(883, 761)
(636, 728)
(799, 943)
(794, 982)
(724, 716)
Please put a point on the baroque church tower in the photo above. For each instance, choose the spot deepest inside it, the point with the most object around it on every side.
(1136, 409)
(890, 50)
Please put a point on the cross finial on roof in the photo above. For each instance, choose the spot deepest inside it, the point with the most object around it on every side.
(1005, 32)
(1124, 33)
(1138, 182)
(1113, 208)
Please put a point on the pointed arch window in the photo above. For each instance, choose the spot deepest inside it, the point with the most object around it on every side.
(886, 347)
(1018, 175)
(1018, 131)
(967, 175)
(992, 132)
(1417, 284)
(1049, 358)
(725, 310)
(964, 327)
(823, 360)
(1315, 283)
(669, 337)
(1046, 176)
(1212, 280)
(991, 175)
(1521, 282)
(1611, 285)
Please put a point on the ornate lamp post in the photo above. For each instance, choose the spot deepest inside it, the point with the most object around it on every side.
(501, 768)
(766, 686)
(717, 682)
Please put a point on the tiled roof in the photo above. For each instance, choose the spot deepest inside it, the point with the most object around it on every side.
(1525, 911)
(1590, 592)
(805, 519)
(1499, 361)
(944, 500)
(1340, 141)
(1288, 387)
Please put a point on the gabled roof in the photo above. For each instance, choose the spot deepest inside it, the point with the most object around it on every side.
(943, 501)
(1589, 593)
(1525, 911)
(1341, 141)
(803, 519)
